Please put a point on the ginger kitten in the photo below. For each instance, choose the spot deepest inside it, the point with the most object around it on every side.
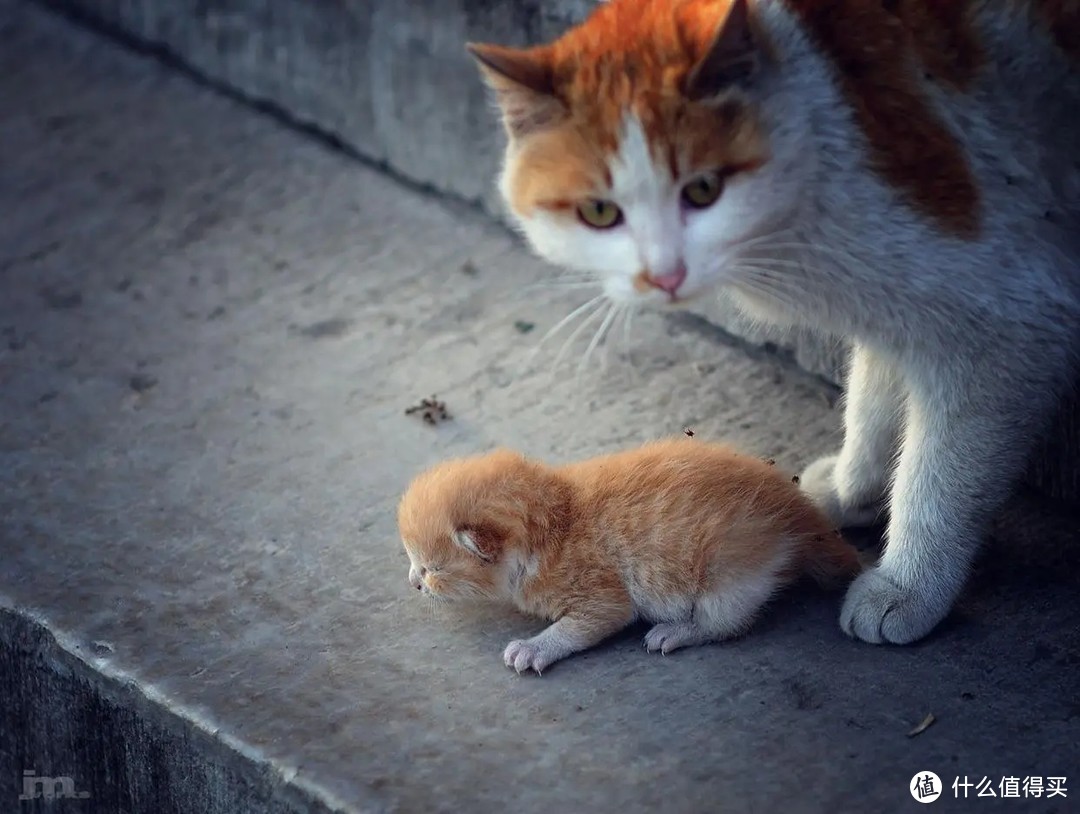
(903, 175)
(692, 537)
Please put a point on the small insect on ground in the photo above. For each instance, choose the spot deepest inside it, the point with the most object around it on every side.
(689, 432)
(430, 410)
(770, 461)
(795, 479)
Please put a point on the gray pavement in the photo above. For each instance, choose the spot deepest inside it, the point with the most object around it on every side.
(211, 328)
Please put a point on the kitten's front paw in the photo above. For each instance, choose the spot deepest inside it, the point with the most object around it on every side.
(878, 610)
(529, 655)
(818, 481)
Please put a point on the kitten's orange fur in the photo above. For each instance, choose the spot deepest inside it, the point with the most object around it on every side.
(691, 536)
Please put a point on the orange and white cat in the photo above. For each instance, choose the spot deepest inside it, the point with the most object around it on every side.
(692, 537)
(902, 174)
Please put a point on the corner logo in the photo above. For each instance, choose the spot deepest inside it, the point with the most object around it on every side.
(36, 787)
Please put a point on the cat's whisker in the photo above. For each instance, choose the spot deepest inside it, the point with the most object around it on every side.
(585, 323)
(605, 354)
(787, 239)
(538, 295)
(598, 337)
(623, 315)
(766, 291)
(760, 272)
(541, 297)
(558, 326)
(627, 341)
(627, 328)
(773, 261)
(761, 282)
(578, 275)
(558, 285)
(502, 311)
(768, 237)
(561, 275)
(813, 251)
(610, 339)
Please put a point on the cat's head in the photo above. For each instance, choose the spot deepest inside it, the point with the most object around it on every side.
(638, 150)
(471, 525)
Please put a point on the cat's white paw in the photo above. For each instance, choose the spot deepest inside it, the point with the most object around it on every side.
(666, 637)
(878, 610)
(529, 654)
(818, 481)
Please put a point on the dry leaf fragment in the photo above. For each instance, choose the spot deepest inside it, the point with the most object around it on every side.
(927, 722)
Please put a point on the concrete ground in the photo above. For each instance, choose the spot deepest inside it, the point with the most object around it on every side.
(211, 328)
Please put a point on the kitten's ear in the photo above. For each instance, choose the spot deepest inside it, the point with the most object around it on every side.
(479, 542)
(524, 85)
(733, 57)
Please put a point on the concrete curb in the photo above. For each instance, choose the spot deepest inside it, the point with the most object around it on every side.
(112, 747)
(390, 81)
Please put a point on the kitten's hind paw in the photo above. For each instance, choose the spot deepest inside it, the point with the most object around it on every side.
(818, 482)
(667, 637)
(879, 611)
(528, 655)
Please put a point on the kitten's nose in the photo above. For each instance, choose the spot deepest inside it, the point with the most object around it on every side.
(414, 579)
(669, 281)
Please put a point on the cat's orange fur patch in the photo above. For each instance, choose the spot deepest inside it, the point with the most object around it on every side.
(910, 146)
(560, 168)
(944, 37)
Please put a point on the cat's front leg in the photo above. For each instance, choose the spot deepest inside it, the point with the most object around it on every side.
(570, 634)
(964, 445)
(850, 486)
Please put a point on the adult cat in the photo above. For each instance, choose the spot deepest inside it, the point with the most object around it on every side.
(902, 174)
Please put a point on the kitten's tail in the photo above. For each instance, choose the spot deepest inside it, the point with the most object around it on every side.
(831, 561)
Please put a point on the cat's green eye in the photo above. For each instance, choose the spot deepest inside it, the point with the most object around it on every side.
(703, 191)
(599, 214)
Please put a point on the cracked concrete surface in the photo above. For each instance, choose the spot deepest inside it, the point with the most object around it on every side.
(211, 328)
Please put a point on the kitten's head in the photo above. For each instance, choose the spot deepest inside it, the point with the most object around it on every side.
(637, 146)
(470, 526)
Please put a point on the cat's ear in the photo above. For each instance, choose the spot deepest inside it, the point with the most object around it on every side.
(524, 85)
(479, 542)
(732, 59)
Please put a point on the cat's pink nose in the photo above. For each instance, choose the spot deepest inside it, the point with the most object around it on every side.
(669, 282)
